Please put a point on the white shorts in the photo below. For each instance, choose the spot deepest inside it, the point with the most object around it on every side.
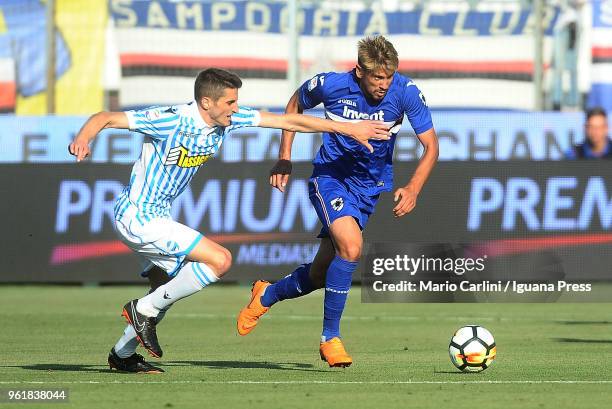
(161, 241)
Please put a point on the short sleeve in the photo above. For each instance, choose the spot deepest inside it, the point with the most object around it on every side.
(245, 117)
(416, 109)
(312, 92)
(157, 122)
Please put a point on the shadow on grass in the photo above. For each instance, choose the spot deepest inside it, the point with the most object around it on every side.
(281, 366)
(457, 372)
(584, 322)
(62, 368)
(584, 341)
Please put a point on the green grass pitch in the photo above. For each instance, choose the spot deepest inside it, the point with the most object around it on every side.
(549, 355)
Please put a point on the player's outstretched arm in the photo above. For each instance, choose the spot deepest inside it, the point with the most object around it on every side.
(406, 196)
(80, 145)
(360, 131)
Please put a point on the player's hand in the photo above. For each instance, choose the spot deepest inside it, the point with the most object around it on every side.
(406, 201)
(79, 148)
(279, 174)
(364, 130)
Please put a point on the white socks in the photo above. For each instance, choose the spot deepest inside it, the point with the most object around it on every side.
(190, 279)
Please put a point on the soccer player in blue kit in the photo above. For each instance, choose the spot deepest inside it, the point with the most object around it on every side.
(347, 181)
(178, 260)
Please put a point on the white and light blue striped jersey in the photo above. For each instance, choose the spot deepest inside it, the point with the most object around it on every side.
(177, 142)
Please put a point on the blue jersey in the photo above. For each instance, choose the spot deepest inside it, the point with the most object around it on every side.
(342, 157)
(177, 143)
(584, 151)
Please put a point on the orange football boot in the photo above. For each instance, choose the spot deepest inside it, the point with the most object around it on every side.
(334, 354)
(249, 315)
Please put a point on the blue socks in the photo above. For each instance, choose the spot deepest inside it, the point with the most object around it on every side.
(294, 285)
(337, 285)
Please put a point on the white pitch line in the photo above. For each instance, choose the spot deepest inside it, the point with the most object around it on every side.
(314, 382)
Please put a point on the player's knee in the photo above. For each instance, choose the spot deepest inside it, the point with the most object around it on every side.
(350, 251)
(222, 262)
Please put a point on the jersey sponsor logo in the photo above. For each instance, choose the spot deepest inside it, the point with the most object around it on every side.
(180, 157)
(348, 102)
(337, 204)
(353, 114)
(188, 134)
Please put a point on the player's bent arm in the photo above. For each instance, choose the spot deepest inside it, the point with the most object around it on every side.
(293, 107)
(80, 145)
(429, 140)
(279, 174)
(406, 196)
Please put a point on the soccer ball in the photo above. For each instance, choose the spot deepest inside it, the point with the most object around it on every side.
(472, 348)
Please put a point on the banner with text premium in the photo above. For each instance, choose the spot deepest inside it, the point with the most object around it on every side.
(57, 219)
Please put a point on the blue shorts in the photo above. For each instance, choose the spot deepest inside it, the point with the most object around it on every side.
(333, 199)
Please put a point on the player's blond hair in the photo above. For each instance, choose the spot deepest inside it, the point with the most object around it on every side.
(375, 52)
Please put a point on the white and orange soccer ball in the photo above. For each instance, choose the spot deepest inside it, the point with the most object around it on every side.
(472, 348)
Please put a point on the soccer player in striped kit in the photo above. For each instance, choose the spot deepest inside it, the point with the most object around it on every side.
(178, 260)
(347, 181)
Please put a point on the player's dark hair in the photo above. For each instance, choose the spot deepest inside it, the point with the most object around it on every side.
(213, 81)
(596, 111)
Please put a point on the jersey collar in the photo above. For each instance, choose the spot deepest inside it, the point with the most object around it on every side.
(195, 114)
(353, 82)
(588, 150)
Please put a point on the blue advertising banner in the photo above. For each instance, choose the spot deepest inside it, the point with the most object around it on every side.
(471, 135)
(271, 17)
